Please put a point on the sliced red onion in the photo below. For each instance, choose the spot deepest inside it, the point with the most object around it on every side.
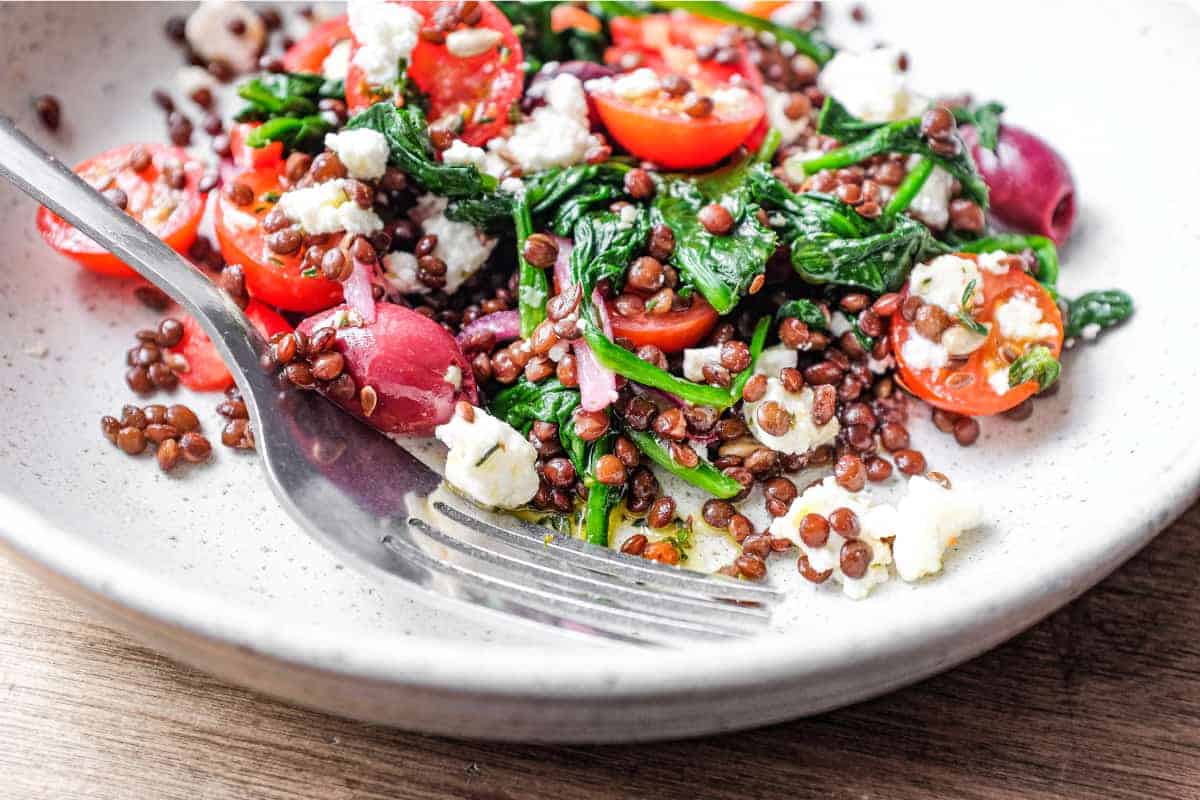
(357, 291)
(1029, 184)
(504, 325)
(597, 383)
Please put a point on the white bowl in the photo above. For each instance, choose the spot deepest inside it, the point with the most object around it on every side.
(203, 565)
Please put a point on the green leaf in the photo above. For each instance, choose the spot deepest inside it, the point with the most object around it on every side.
(810, 43)
(603, 248)
(286, 104)
(804, 310)
(523, 403)
(542, 44)
(904, 136)
(1105, 308)
(986, 119)
(831, 243)
(720, 267)
(1035, 364)
(623, 362)
(704, 475)
(296, 133)
(408, 139)
(533, 287)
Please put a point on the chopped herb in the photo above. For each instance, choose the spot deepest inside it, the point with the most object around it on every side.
(275, 261)
(1035, 364)
(964, 310)
(269, 197)
(310, 272)
(491, 450)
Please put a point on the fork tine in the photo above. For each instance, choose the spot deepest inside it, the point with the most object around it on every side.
(483, 589)
(542, 570)
(631, 569)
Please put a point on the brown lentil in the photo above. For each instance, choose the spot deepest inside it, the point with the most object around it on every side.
(755, 388)
(850, 472)
(910, 462)
(590, 425)
(717, 513)
(878, 469)
(49, 111)
(855, 557)
(635, 545)
(638, 184)
(716, 219)
(966, 431)
(751, 566)
(540, 250)
(662, 242)
(824, 404)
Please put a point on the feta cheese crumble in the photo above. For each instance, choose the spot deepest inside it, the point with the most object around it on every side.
(929, 519)
(803, 435)
(400, 271)
(557, 134)
(995, 262)
(998, 380)
(1020, 317)
(932, 203)
(327, 208)
(489, 461)
(770, 361)
(921, 353)
(336, 65)
(462, 247)
(386, 34)
(629, 86)
(362, 151)
(943, 280)
(730, 100)
(461, 153)
(874, 523)
(870, 85)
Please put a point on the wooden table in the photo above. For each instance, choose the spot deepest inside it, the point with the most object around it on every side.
(1100, 701)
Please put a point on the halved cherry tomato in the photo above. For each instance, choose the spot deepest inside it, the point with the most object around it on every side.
(657, 128)
(666, 43)
(670, 332)
(249, 157)
(206, 371)
(309, 54)
(964, 388)
(480, 88)
(270, 277)
(172, 214)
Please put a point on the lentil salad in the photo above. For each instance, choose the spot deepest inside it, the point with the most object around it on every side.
(638, 266)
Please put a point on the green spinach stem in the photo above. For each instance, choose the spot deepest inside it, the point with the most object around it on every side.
(909, 188)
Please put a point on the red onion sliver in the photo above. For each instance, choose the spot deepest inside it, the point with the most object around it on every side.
(505, 325)
(357, 291)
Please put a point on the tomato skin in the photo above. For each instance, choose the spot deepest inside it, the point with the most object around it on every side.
(674, 140)
(247, 157)
(178, 231)
(671, 332)
(206, 371)
(309, 54)
(565, 17)
(486, 85)
(405, 357)
(274, 279)
(977, 398)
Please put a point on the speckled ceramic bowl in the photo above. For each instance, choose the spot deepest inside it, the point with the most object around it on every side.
(204, 566)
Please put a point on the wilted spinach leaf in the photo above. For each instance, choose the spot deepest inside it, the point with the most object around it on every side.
(523, 403)
(1035, 364)
(1105, 308)
(286, 104)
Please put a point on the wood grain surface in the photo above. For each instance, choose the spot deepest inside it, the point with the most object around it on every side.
(1100, 701)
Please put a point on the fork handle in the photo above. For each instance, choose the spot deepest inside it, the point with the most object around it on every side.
(47, 180)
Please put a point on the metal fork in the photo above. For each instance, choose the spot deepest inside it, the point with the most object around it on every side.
(374, 503)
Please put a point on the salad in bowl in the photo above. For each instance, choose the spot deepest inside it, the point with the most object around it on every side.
(671, 277)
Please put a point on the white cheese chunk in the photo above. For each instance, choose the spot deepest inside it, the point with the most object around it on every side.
(932, 203)
(694, 359)
(1020, 318)
(731, 100)
(790, 130)
(929, 519)
(802, 435)
(998, 380)
(208, 34)
(362, 151)
(489, 163)
(995, 262)
(839, 323)
(462, 247)
(875, 522)
(921, 353)
(1090, 331)
(400, 271)
(192, 78)
(557, 134)
(943, 281)
(489, 461)
(327, 208)
(630, 85)
(774, 359)
(471, 42)
(336, 65)
(870, 85)
(386, 35)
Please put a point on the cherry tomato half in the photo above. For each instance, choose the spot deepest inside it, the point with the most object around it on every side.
(963, 387)
(247, 157)
(670, 332)
(270, 277)
(206, 371)
(309, 54)
(173, 214)
(480, 88)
